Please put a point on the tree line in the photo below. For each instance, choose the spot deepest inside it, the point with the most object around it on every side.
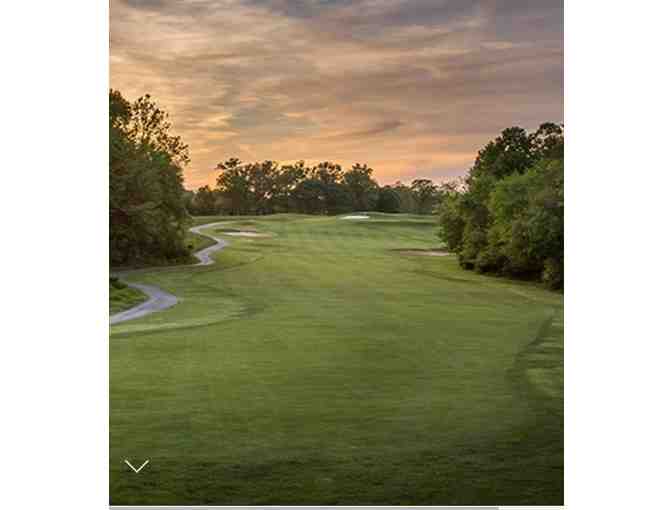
(507, 216)
(326, 188)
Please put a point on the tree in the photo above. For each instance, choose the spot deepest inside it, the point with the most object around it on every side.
(362, 188)
(234, 182)
(426, 195)
(150, 127)
(326, 172)
(147, 211)
(407, 198)
(204, 201)
(527, 226)
(475, 216)
(261, 181)
(451, 221)
(507, 216)
(310, 197)
(337, 198)
(266, 187)
(388, 200)
(511, 152)
(287, 179)
(549, 141)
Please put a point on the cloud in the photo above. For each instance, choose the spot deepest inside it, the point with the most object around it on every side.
(376, 129)
(411, 88)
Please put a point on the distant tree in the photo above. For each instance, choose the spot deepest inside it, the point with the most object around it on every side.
(337, 198)
(223, 204)
(326, 172)
(388, 200)
(362, 188)
(234, 182)
(262, 182)
(204, 201)
(309, 196)
(266, 187)
(287, 179)
(407, 198)
(187, 200)
(426, 195)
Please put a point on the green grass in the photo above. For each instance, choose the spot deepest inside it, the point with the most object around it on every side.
(124, 298)
(321, 366)
(196, 242)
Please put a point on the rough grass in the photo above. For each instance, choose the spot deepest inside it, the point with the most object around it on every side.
(196, 242)
(320, 366)
(123, 297)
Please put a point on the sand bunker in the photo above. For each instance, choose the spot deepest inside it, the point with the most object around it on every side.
(355, 217)
(426, 253)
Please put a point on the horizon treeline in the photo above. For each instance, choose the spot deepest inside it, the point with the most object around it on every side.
(507, 216)
(326, 188)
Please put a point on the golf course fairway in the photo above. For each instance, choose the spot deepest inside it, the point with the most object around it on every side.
(328, 363)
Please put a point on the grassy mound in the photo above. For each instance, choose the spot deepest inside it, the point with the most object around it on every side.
(123, 297)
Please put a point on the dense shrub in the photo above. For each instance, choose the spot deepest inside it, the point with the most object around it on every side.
(117, 283)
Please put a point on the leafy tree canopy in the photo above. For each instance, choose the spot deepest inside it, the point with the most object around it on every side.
(507, 217)
(147, 213)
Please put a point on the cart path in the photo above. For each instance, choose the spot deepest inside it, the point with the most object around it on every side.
(158, 299)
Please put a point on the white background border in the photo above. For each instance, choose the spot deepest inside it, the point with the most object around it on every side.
(54, 256)
(618, 210)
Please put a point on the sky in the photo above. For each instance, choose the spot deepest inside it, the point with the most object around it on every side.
(413, 88)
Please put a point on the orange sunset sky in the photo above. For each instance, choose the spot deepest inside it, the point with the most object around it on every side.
(412, 87)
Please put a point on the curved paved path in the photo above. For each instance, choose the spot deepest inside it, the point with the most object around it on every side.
(159, 299)
(203, 255)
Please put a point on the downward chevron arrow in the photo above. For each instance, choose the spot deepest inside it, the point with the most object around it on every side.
(133, 467)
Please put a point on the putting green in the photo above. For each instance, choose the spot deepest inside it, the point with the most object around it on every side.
(328, 365)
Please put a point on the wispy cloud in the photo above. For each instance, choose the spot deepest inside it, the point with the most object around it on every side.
(411, 88)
